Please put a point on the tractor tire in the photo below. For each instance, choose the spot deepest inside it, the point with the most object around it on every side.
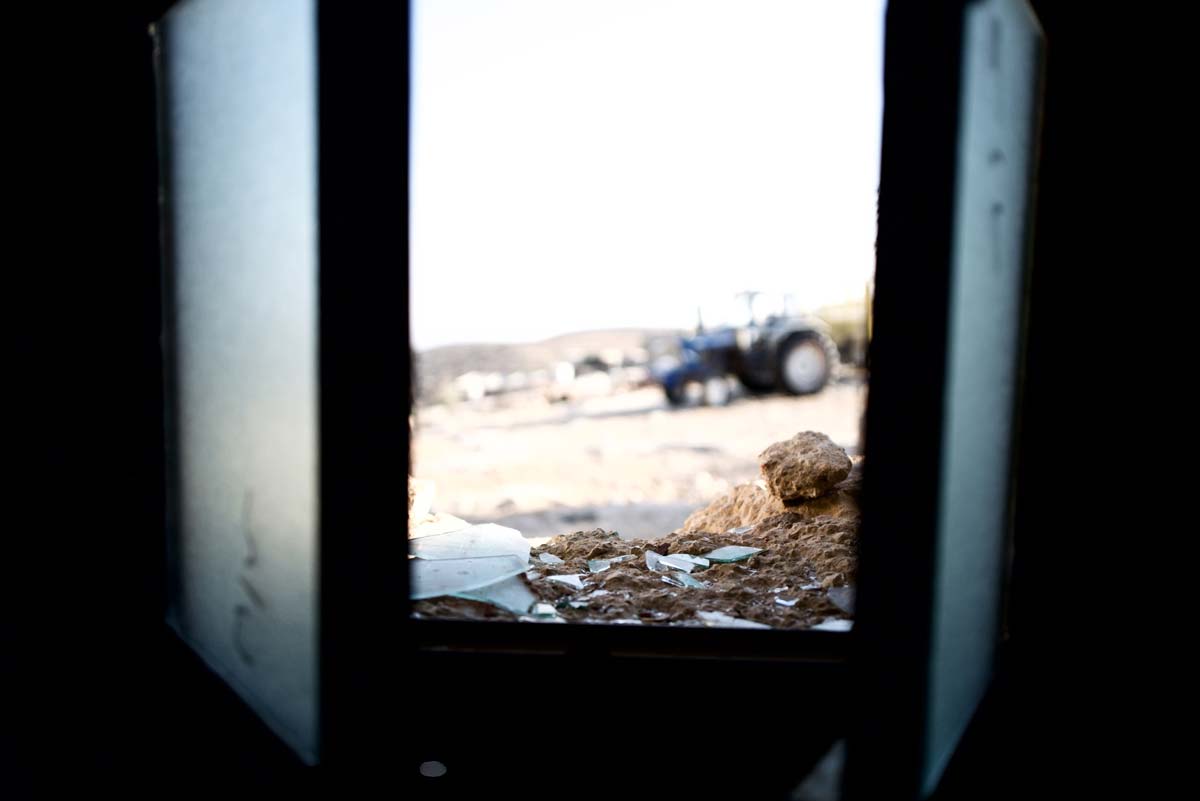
(806, 363)
(688, 394)
(676, 397)
(755, 387)
(717, 392)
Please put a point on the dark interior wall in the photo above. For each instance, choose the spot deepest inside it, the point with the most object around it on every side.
(1101, 413)
(90, 403)
(88, 304)
(102, 693)
(908, 356)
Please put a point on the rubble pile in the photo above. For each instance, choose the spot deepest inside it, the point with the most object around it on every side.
(779, 552)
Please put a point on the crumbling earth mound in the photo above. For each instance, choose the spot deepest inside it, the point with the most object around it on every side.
(750, 504)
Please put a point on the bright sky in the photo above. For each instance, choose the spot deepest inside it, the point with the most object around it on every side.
(582, 164)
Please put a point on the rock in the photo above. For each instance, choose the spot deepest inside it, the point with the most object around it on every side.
(806, 466)
(833, 580)
(750, 504)
(841, 501)
(744, 505)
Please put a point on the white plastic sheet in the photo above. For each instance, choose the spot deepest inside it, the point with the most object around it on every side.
(434, 577)
(486, 539)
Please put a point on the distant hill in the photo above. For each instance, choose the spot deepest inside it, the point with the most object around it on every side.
(438, 366)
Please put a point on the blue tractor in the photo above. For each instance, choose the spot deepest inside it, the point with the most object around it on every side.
(770, 349)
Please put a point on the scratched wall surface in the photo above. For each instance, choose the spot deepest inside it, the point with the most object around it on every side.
(996, 155)
(239, 131)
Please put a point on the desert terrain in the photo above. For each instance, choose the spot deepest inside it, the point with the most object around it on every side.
(625, 462)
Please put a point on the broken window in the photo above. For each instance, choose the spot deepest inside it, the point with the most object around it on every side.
(253, 561)
(642, 244)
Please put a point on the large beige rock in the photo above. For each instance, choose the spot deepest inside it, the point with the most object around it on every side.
(750, 504)
(744, 505)
(806, 466)
(841, 501)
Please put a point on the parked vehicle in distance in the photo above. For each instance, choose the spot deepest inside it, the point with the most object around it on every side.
(770, 349)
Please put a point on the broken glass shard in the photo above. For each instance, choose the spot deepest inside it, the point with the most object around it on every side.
(843, 598)
(532, 574)
(487, 539)
(722, 619)
(594, 594)
(675, 562)
(550, 559)
(543, 610)
(567, 603)
(433, 577)
(695, 561)
(682, 579)
(541, 619)
(570, 579)
(740, 530)
(625, 558)
(815, 585)
(782, 602)
(510, 594)
(731, 553)
(599, 565)
(652, 561)
(625, 621)
(834, 624)
(776, 589)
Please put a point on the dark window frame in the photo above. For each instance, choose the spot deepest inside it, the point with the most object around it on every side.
(367, 638)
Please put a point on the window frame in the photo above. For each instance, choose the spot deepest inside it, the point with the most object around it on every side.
(366, 636)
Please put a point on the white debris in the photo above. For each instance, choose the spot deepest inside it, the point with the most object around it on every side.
(570, 579)
(834, 624)
(724, 620)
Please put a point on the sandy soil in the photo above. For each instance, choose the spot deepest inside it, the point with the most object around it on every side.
(625, 463)
(792, 581)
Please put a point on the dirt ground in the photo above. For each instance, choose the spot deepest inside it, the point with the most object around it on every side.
(801, 576)
(624, 480)
(625, 463)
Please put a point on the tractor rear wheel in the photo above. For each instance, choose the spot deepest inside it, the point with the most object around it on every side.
(686, 394)
(717, 391)
(806, 363)
(675, 395)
